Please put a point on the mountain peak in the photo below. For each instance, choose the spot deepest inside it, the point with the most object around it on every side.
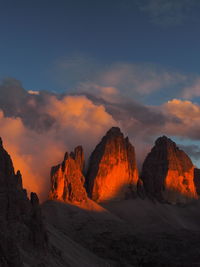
(168, 172)
(67, 180)
(78, 156)
(164, 140)
(112, 172)
(114, 131)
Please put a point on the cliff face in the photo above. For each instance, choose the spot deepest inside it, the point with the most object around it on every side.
(168, 173)
(67, 180)
(78, 156)
(197, 180)
(112, 172)
(20, 218)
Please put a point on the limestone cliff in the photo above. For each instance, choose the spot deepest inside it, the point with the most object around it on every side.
(112, 172)
(78, 156)
(168, 173)
(67, 180)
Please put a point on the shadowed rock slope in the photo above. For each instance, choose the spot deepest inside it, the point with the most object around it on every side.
(168, 173)
(112, 172)
(20, 218)
(26, 240)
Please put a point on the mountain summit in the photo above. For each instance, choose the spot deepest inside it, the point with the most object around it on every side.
(67, 180)
(168, 173)
(112, 172)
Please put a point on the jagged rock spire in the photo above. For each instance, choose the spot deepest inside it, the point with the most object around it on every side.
(78, 156)
(67, 180)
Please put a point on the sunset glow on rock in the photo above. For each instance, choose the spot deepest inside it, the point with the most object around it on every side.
(168, 173)
(67, 181)
(112, 172)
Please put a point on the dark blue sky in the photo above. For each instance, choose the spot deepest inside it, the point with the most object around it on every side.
(40, 40)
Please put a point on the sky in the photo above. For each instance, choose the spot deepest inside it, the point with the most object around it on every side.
(41, 39)
(72, 69)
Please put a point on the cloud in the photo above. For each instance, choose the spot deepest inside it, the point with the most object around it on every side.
(107, 93)
(192, 91)
(31, 152)
(70, 70)
(31, 92)
(135, 80)
(41, 128)
(143, 79)
(191, 150)
(143, 124)
(77, 118)
(187, 115)
(170, 12)
(12, 95)
(37, 129)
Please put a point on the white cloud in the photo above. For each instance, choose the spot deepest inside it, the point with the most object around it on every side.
(31, 92)
(192, 91)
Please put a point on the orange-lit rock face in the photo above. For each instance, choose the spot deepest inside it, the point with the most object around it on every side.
(112, 172)
(78, 156)
(168, 173)
(179, 188)
(67, 181)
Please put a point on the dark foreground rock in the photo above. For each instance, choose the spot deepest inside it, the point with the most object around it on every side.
(20, 218)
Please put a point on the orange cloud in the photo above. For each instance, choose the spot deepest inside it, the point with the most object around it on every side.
(77, 121)
(187, 113)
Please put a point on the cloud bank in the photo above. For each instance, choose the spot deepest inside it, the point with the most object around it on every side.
(39, 127)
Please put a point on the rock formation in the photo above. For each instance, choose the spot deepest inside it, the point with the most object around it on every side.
(78, 156)
(197, 180)
(20, 218)
(67, 180)
(168, 173)
(112, 172)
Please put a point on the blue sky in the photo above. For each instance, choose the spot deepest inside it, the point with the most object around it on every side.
(128, 63)
(55, 45)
